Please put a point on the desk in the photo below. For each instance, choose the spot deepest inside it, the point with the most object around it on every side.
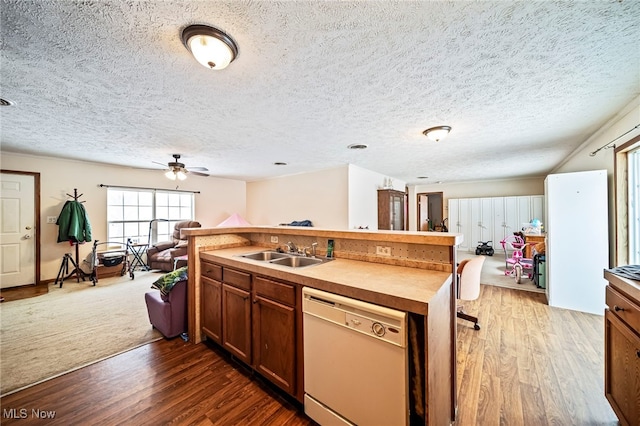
(532, 240)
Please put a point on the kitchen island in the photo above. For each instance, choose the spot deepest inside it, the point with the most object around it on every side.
(242, 304)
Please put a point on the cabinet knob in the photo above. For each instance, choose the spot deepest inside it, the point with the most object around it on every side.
(255, 300)
(617, 308)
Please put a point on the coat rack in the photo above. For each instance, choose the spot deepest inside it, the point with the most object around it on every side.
(64, 266)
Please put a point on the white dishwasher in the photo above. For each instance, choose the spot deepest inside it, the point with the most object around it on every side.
(355, 361)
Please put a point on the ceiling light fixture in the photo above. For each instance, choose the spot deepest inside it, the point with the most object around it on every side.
(176, 173)
(210, 46)
(438, 133)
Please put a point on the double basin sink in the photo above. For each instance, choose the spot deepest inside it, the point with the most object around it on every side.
(285, 259)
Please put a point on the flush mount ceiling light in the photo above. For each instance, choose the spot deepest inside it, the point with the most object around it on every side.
(210, 46)
(438, 133)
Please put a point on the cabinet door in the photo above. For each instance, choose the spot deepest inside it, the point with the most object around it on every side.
(212, 308)
(537, 208)
(622, 369)
(511, 223)
(236, 324)
(274, 330)
(482, 219)
(499, 218)
(525, 212)
(397, 212)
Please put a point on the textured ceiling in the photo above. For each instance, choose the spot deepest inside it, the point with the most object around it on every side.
(522, 84)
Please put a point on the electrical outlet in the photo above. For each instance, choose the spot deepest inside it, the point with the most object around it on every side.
(274, 239)
(383, 251)
(52, 219)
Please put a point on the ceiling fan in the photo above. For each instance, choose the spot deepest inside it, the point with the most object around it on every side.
(177, 170)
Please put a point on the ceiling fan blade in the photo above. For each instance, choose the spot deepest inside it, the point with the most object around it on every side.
(162, 164)
(202, 169)
(198, 173)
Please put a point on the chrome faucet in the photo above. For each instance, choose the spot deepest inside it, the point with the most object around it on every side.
(292, 247)
(305, 251)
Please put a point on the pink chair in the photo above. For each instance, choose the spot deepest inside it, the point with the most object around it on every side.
(168, 314)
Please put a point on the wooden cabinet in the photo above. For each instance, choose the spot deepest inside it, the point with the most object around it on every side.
(391, 207)
(622, 348)
(236, 313)
(255, 319)
(211, 307)
(274, 332)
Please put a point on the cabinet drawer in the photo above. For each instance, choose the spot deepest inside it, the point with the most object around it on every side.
(210, 270)
(280, 292)
(624, 308)
(237, 279)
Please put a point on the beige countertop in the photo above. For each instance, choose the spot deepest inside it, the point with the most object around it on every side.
(398, 287)
(434, 238)
(627, 286)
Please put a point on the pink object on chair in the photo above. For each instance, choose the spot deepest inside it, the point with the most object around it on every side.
(516, 264)
(168, 314)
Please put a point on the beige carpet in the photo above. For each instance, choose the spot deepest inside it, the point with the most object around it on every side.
(493, 273)
(70, 327)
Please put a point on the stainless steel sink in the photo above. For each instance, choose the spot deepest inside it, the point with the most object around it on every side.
(265, 255)
(297, 261)
(285, 259)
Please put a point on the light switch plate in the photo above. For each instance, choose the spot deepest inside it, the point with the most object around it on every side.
(274, 239)
(52, 219)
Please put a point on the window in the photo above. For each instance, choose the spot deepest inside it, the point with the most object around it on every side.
(134, 213)
(627, 207)
(633, 194)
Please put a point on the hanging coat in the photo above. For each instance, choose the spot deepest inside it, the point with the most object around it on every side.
(73, 223)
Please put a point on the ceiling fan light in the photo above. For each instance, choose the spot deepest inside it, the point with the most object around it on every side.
(181, 175)
(170, 174)
(211, 47)
(438, 133)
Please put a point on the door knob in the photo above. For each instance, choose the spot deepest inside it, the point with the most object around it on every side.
(27, 228)
(27, 236)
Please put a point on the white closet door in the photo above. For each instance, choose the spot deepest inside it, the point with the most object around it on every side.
(524, 211)
(537, 207)
(511, 217)
(464, 219)
(499, 218)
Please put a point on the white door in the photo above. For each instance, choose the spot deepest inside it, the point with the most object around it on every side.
(511, 223)
(17, 230)
(499, 218)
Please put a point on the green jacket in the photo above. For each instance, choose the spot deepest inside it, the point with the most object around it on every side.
(73, 223)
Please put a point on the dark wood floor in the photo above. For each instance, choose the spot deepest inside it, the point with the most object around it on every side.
(528, 365)
(165, 382)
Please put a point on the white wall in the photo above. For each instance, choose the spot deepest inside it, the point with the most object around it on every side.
(481, 189)
(321, 197)
(363, 196)
(218, 198)
(580, 160)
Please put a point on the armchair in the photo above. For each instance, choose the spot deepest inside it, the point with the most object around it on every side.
(161, 255)
(168, 314)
